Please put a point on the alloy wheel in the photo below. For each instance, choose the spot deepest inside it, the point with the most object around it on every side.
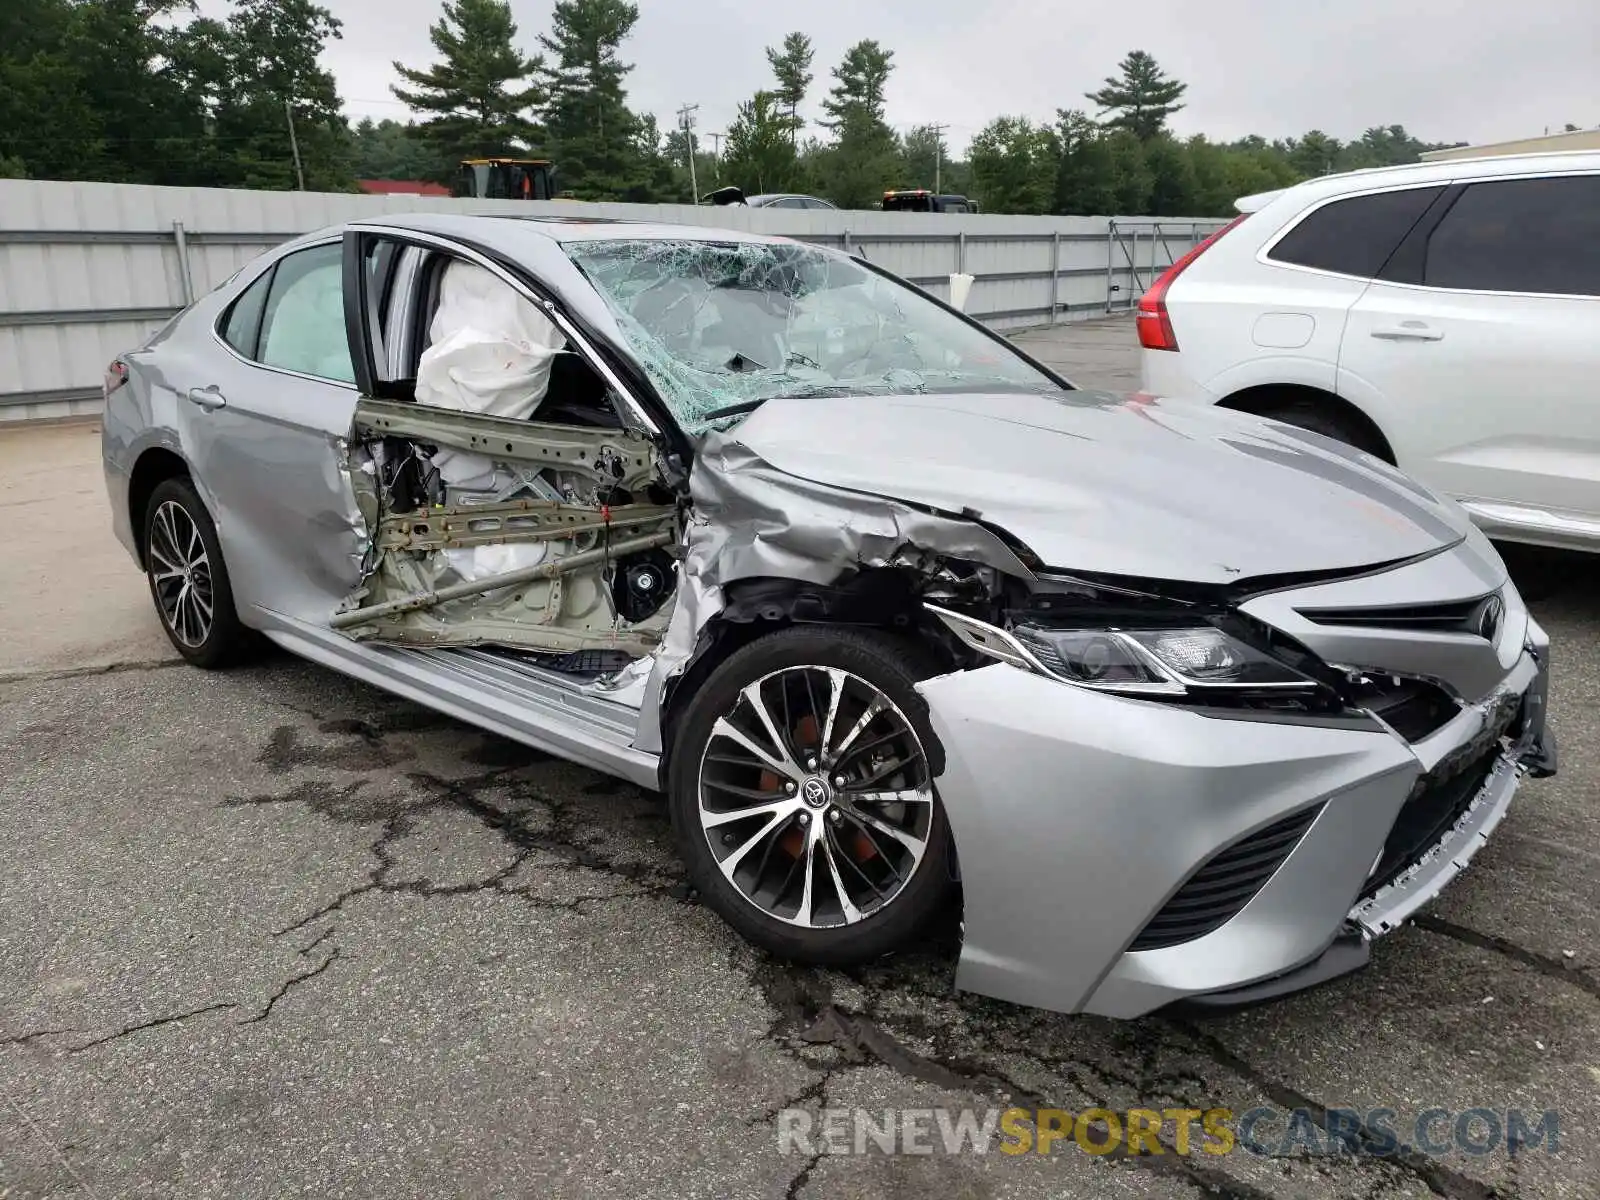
(180, 570)
(815, 797)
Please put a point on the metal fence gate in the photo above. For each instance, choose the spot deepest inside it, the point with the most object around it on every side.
(1138, 251)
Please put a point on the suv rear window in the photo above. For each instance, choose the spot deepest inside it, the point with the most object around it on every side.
(1520, 235)
(1355, 236)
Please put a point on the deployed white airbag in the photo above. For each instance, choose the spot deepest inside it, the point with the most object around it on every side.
(491, 352)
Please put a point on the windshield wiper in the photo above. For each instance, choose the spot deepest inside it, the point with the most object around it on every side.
(733, 410)
(816, 389)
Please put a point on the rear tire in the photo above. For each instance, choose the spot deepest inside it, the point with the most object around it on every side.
(1309, 415)
(819, 734)
(188, 579)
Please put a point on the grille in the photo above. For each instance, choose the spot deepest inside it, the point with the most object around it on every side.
(1434, 806)
(1215, 893)
(1455, 616)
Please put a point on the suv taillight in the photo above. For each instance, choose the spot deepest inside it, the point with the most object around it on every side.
(1153, 321)
(116, 376)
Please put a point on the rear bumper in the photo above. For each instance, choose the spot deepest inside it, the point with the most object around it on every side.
(1078, 816)
(1165, 373)
(117, 495)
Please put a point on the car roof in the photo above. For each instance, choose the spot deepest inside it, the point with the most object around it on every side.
(510, 231)
(1445, 170)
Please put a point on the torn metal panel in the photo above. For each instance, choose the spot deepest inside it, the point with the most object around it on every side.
(493, 524)
(1094, 483)
(617, 457)
(528, 556)
(697, 602)
(429, 598)
(760, 521)
(751, 520)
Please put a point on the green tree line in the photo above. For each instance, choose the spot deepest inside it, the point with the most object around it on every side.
(145, 91)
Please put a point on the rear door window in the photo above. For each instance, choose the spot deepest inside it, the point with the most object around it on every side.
(303, 328)
(1520, 235)
(1354, 236)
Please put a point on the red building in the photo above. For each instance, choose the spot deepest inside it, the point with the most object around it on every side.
(401, 187)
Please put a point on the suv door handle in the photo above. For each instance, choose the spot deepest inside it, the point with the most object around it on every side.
(1408, 331)
(208, 398)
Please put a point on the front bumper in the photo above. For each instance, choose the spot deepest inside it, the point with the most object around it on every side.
(1077, 817)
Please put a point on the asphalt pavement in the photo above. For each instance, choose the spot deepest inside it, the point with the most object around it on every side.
(270, 932)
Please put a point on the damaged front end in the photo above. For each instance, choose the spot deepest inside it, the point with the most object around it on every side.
(1244, 796)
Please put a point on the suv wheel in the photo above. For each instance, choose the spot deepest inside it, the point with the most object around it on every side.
(188, 581)
(802, 795)
(1308, 414)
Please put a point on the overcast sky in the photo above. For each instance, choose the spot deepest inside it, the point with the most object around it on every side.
(1473, 70)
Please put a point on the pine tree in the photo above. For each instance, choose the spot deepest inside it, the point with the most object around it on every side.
(1314, 154)
(1013, 166)
(1128, 173)
(857, 96)
(388, 149)
(759, 154)
(271, 51)
(865, 155)
(791, 65)
(1084, 185)
(1172, 180)
(481, 92)
(1143, 98)
(925, 158)
(593, 135)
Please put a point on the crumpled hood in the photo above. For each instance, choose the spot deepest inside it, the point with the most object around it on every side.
(1095, 482)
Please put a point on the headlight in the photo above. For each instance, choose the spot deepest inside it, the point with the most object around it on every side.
(1180, 661)
(1155, 660)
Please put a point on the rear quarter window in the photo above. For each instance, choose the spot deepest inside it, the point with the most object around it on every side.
(242, 325)
(1354, 236)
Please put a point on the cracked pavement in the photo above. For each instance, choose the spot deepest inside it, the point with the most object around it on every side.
(272, 932)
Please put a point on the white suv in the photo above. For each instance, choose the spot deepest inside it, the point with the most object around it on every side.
(1443, 316)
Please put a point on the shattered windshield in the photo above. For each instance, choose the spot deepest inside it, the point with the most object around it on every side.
(727, 325)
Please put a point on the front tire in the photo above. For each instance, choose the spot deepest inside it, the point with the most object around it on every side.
(187, 577)
(801, 792)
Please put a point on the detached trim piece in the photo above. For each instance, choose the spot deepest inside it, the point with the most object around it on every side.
(86, 316)
(137, 237)
(55, 396)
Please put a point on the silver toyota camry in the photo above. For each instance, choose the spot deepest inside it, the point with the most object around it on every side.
(1185, 705)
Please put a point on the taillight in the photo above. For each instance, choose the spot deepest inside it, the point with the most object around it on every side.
(1153, 322)
(116, 376)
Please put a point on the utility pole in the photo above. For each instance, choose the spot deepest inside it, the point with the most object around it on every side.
(294, 145)
(716, 153)
(938, 147)
(686, 123)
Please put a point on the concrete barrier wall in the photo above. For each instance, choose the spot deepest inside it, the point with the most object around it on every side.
(88, 270)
